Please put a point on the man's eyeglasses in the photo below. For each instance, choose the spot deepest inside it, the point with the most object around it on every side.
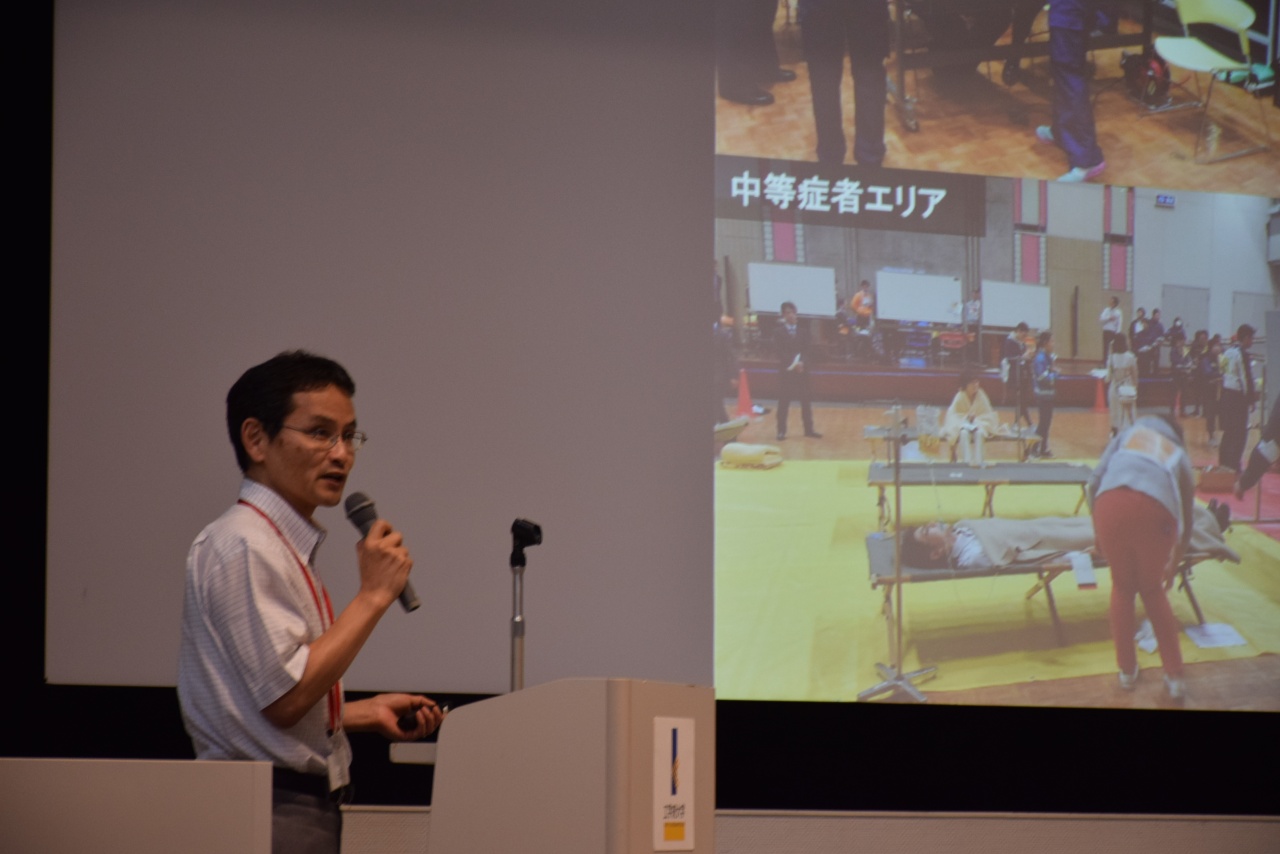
(354, 440)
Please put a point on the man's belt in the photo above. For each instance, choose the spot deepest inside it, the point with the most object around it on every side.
(316, 785)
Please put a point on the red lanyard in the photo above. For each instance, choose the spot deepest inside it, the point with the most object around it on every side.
(335, 693)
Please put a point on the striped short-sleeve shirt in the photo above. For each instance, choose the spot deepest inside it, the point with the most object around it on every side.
(252, 606)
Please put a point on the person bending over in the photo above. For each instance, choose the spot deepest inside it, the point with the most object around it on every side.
(1142, 495)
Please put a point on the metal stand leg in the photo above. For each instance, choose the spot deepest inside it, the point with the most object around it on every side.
(892, 677)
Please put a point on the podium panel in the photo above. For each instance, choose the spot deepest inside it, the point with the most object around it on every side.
(113, 806)
(578, 766)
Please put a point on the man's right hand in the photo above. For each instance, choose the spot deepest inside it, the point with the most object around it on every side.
(384, 562)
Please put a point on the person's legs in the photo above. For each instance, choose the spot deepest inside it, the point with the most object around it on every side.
(1209, 399)
(806, 403)
(304, 824)
(1136, 535)
(1116, 546)
(786, 393)
(824, 43)
(1233, 413)
(1046, 421)
(866, 25)
(1157, 532)
(1073, 126)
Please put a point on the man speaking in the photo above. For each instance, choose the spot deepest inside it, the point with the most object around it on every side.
(263, 653)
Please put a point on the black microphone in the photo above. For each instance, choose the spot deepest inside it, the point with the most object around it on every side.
(363, 514)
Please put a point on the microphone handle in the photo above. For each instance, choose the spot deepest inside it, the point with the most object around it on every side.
(408, 599)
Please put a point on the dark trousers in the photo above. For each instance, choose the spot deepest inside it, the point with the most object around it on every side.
(1107, 338)
(794, 385)
(1046, 420)
(1210, 391)
(304, 824)
(1017, 394)
(1182, 392)
(828, 28)
(1233, 413)
(1073, 127)
(746, 54)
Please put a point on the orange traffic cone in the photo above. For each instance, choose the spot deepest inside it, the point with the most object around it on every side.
(1100, 398)
(744, 394)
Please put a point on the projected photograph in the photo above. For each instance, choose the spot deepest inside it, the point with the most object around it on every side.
(873, 317)
(1127, 92)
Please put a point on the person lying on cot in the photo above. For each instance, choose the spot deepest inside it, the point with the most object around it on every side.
(938, 545)
(989, 543)
(976, 543)
(970, 419)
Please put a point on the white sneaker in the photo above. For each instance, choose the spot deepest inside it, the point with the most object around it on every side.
(1044, 133)
(1080, 174)
(1128, 681)
(1177, 688)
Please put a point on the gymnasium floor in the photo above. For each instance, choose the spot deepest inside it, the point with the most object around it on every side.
(988, 128)
(797, 619)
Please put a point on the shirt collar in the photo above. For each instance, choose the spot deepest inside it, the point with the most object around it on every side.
(302, 534)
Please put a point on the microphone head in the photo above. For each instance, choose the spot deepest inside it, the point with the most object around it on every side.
(525, 533)
(361, 511)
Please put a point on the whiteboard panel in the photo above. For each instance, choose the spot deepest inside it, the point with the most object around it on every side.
(918, 296)
(812, 289)
(1008, 304)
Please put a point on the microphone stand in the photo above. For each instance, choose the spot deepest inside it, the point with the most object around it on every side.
(523, 533)
(891, 676)
(517, 618)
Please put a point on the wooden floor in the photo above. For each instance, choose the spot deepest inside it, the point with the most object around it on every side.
(1246, 685)
(1074, 433)
(988, 128)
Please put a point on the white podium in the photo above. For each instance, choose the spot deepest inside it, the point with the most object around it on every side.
(579, 766)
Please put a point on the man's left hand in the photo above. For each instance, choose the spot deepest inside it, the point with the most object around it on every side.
(383, 713)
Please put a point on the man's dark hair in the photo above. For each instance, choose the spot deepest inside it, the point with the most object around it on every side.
(788, 305)
(1022, 327)
(1245, 331)
(918, 555)
(266, 391)
(1045, 338)
(968, 374)
(1120, 344)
